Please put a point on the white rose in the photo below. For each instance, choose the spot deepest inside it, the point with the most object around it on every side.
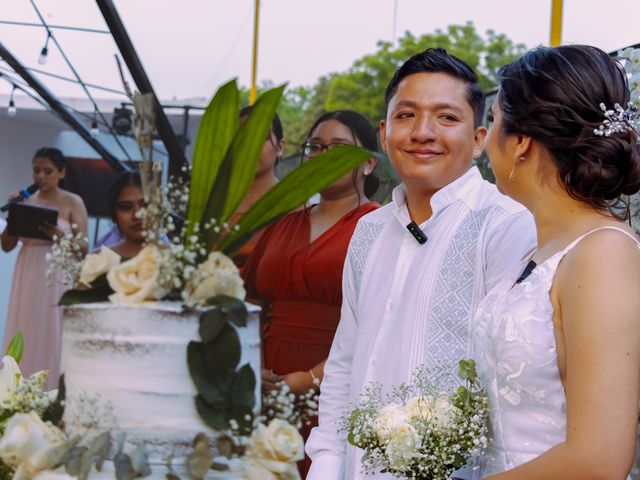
(391, 417)
(402, 447)
(438, 410)
(31, 445)
(98, 263)
(273, 451)
(136, 280)
(10, 377)
(218, 275)
(442, 411)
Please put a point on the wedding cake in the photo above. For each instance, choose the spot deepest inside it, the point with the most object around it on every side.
(135, 359)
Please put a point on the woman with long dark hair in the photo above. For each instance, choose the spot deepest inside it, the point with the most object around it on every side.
(296, 267)
(559, 348)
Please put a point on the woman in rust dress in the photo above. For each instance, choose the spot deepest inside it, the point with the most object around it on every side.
(296, 267)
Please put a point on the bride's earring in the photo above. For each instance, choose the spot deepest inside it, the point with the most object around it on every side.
(512, 174)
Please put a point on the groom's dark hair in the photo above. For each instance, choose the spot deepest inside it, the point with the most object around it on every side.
(437, 60)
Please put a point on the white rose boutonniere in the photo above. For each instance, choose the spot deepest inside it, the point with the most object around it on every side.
(273, 452)
(97, 264)
(402, 447)
(218, 275)
(31, 445)
(136, 280)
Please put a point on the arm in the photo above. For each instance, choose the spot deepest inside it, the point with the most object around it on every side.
(9, 242)
(508, 241)
(326, 446)
(79, 217)
(596, 293)
(301, 382)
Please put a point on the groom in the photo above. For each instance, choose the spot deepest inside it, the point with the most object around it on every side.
(417, 268)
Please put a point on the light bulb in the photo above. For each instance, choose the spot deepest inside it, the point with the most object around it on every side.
(94, 132)
(42, 59)
(12, 110)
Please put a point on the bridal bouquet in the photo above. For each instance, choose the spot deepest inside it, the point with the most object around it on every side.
(420, 432)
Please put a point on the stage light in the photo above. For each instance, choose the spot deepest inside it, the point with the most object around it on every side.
(122, 120)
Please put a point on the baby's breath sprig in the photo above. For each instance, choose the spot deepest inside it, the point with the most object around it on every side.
(66, 257)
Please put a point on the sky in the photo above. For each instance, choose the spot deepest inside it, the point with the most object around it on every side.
(189, 47)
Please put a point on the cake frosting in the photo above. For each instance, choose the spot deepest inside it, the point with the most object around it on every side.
(135, 358)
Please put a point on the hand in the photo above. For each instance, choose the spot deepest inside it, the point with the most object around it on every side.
(50, 230)
(270, 381)
(299, 382)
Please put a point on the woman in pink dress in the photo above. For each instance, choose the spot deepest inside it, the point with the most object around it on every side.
(33, 303)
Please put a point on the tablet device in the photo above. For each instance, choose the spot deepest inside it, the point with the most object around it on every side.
(24, 220)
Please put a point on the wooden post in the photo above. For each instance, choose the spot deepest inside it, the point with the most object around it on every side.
(555, 38)
(254, 60)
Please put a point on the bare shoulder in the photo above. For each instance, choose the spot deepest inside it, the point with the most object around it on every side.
(606, 259)
(72, 198)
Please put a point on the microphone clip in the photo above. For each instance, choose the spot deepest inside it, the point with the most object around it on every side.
(417, 233)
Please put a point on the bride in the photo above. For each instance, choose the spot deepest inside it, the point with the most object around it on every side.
(559, 350)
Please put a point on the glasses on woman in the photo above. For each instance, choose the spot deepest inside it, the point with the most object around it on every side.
(313, 149)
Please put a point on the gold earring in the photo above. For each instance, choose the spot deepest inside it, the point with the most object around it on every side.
(512, 174)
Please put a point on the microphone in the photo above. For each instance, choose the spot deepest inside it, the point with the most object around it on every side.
(417, 233)
(23, 194)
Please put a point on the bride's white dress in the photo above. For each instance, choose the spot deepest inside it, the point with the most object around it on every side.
(515, 351)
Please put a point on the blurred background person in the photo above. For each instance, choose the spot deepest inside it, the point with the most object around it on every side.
(125, 201)
(33, 302)
(296, 267)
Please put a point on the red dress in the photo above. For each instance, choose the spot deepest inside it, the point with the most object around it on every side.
(301, 283)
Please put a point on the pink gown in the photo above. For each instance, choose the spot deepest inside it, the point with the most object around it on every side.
(33, 309)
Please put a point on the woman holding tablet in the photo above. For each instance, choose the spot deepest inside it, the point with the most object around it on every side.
(33, 303)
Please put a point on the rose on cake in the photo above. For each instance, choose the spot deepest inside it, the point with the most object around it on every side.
(136, 280)
(97, 264)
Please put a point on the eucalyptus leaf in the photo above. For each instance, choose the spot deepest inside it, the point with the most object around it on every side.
(215, 389)
(244, 387)
(217, 129)
(211, 323)
(216, 418)
(123, 466)
(100, 448)
(224, 444)
(295, 189)
(140, 461)
(78, 462)
(222, 354)
(200, 458)
(16, 347)
(100, 293)
(219, 467)
(55, 410)
(233, 309)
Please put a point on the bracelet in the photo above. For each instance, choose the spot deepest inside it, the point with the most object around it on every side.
(316, 380)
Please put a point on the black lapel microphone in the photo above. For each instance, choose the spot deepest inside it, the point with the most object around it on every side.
(527, 271)
(417, 233)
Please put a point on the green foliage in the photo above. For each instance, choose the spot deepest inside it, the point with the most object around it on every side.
(99, 292)
(293, 190)
(16, 347)
(219, 123)
(225, 393)
(55, 411)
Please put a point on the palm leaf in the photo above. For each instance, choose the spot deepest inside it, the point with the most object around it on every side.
(217, 129)
(295, 189)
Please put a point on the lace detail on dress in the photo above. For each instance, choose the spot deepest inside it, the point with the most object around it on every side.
(515, 350)
(448, 328)
(359, 248)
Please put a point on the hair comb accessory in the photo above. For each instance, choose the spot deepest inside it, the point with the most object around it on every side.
(619, 120)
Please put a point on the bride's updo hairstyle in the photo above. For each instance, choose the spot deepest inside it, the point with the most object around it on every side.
(553, 95)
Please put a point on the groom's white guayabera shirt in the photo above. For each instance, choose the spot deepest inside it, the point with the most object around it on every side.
(407, 304)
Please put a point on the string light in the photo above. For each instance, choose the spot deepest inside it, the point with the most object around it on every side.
(42, 59)
(12, 110)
